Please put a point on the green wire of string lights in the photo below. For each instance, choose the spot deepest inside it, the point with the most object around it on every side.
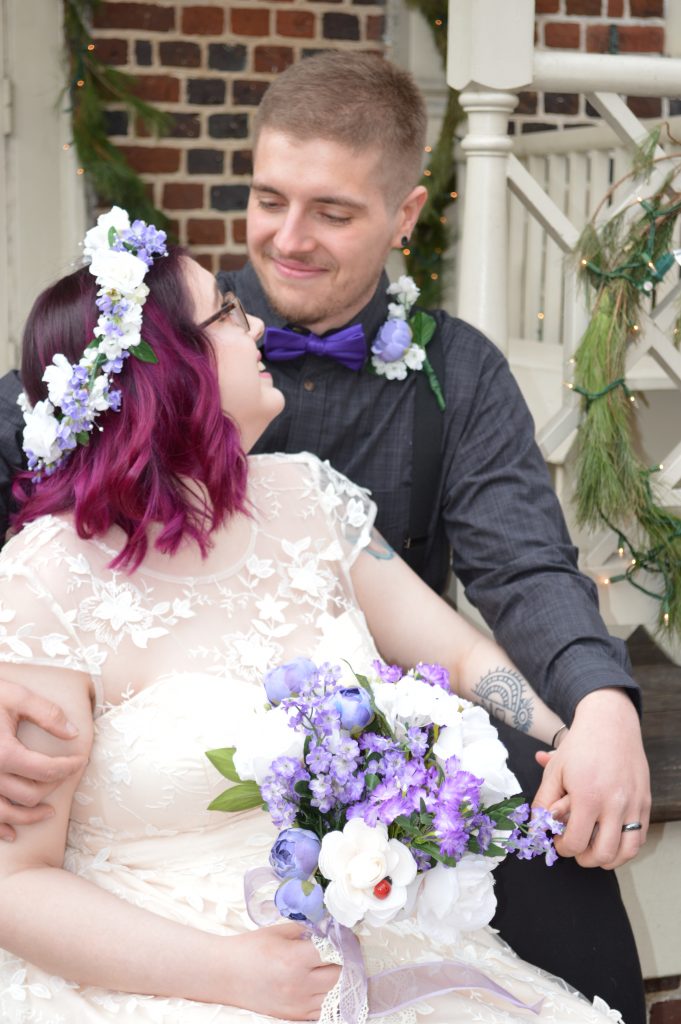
(91, 87)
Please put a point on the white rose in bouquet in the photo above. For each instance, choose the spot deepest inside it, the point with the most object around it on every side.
(451, 900)
(369, 873)
(263, 737)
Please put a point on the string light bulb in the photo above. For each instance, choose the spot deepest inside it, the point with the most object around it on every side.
(66, 146)
(427, 149)
(80, 83)
(665, 618)
(540, 316)
(406, 252)
(91, 47)
(81, 170)
(453, 195)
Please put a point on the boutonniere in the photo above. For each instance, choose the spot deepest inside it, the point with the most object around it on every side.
(400, 344)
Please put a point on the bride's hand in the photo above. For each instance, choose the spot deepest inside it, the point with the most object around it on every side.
(277, 971)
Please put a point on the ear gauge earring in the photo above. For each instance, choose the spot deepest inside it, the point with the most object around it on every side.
(404, 241)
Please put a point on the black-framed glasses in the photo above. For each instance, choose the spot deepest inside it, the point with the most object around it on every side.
(231, 309)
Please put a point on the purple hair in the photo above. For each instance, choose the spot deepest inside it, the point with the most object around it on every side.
(170, 431)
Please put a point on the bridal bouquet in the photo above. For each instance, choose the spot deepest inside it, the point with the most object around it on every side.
(392, 795)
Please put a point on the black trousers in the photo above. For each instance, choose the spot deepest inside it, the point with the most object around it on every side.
(566, 919)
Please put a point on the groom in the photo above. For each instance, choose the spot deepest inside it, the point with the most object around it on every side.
(337, 161)
(338, 154)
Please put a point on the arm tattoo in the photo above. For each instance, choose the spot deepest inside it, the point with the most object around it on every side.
(379, 548)
(501, 694)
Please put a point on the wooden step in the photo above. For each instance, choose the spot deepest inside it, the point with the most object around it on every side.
(660, 682)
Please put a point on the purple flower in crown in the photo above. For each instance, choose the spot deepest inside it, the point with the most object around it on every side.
(295, 853)
(300, 900)
(392, 340)
(288, 679)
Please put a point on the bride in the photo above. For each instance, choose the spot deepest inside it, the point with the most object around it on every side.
(157, 573)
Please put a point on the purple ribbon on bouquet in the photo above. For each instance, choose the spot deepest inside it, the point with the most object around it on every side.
(347, 346)
(388, 991)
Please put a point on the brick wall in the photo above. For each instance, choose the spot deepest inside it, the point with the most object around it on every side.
(593, 26)
(208, 65)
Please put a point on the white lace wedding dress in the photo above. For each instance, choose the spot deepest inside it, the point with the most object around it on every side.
(173, 658)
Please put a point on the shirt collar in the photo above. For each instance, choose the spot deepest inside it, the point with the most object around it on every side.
(372, 316)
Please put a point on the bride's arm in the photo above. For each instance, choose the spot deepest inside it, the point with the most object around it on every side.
(410, 623)
(70, 927)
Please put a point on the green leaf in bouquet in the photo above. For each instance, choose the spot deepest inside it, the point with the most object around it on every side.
(302, 789)
(223, 760)
(371, 781)
(494, 850)
(242, 797)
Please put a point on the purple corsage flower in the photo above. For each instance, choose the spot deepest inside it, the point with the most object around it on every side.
(392, 341)
(295, 853)
(300, 900)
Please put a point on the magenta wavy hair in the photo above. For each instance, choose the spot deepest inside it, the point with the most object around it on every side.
(170, 431)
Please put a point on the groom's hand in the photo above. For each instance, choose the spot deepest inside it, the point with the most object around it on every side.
(27, 777)
(599, 775)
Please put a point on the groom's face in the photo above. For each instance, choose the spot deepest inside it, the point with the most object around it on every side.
(319, 228)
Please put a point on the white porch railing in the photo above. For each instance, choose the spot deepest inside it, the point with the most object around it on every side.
(526, 200)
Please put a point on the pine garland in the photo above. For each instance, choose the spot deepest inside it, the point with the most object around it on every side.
(91, 86)
(431, 237)
(621, 263)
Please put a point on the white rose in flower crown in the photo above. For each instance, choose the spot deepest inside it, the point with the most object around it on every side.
(40, 432)
(357, 861)
(98, 401)
(121, 271)
(98, 237)
(262, 738)
(57, 377)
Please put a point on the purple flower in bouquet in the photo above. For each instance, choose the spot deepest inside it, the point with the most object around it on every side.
(387, 673)
(300, 900)
(354, 707)
(436, 675)
(295, 853)
(288, 679)
(539, 839)
(392, 341)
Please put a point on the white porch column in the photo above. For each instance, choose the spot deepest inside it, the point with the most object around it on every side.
(490, 50)
(483, 253)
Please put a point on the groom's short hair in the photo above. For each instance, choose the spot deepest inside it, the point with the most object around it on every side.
(359, 100)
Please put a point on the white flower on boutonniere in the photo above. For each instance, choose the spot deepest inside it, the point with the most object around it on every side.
(400, 344)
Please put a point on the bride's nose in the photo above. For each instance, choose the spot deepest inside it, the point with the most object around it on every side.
(256, 328)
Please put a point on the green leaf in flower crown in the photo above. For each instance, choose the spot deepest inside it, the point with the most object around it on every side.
(144, 351)
(83, 437)
(238, 798)
(112, 236)
(422, 328)
(223, 760)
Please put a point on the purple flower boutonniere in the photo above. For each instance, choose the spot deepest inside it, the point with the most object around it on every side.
(400, 344)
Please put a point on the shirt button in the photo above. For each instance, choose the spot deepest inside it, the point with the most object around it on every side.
(309, 385)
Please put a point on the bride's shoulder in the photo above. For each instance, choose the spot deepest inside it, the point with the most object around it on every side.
(305, 473)
(282, 471)
(46, 539)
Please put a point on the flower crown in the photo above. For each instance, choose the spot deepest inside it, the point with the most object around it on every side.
(120, 255)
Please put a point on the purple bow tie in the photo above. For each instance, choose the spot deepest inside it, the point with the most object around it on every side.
(347, 346)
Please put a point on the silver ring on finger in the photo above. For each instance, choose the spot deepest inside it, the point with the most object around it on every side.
(632, 826)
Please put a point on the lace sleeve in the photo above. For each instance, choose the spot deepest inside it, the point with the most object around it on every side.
(349, 507)
(34, 628)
